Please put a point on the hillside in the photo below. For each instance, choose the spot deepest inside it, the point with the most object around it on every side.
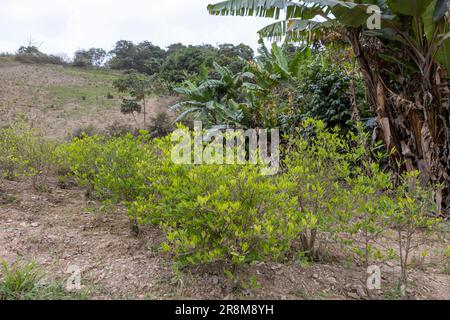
(60, 100)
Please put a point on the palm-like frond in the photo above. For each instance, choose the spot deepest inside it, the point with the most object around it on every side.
(304, 19)
(259, 8)
(315, 20)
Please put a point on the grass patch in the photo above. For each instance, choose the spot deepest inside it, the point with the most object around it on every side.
(95, 75)
(25, 282)
(95, 93)
(6, 60)
(85, 99)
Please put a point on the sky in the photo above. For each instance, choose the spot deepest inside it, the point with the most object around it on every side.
(64, 26)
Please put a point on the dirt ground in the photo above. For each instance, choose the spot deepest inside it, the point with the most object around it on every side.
(60, 228)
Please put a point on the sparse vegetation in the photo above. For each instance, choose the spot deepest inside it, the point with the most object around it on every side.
(24, 152)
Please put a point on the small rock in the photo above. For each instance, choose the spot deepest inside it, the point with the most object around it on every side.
(332, 280)
(277, 266)
(215, 280)
(35, 224)
(315, 276)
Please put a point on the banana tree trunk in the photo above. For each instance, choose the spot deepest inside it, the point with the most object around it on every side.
(414, 122)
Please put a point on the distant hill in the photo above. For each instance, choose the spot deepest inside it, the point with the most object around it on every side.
(61, 99)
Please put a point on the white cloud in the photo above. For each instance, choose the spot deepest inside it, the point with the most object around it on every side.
(67, 25)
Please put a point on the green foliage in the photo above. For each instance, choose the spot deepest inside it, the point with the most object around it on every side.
(24, 151)
(18, 281)
(31, 54)
(319, 166)
(401, 24)
(143, 57)
(234, 57)
(186, 61)
(447, 260)
(409, 211)
(107, 167)
(133, 83)
(330, 188)
(136, 85)
(161, 125)
(280, 89)
(118, 176)
(235, 215)
(80, 157)
(324, 94)
(178, 62)
(89, 58)
(214, 101)
(369, 184)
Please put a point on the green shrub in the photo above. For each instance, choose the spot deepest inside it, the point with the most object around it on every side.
(105, 166)
(219, 213)
(318, 164)
(118, 129)
(330, 188)
(118, 176)
(412, 212)
(24, 151)
(10, 163)
(79, 158)
(324, 93)
(32, 55)
(85, 131)
(161, 125)
(368, 186)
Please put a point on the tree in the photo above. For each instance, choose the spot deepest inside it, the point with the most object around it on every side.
(31, 50)
(143, 57)
(234, 57)
(403, 51)
(138, 87)
(122, 55)
(89, 58)
(214, 101)
(185, 61)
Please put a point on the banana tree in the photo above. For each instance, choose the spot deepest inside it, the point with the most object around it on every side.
(403, 51)
(213, 101)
